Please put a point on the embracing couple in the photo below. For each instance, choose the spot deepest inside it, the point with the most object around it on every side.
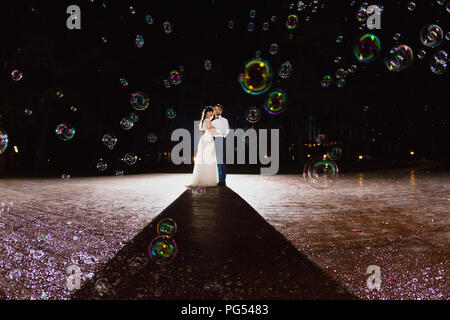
(209, 162)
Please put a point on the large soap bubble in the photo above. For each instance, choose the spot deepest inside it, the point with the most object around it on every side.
(431, 35)
(257, 76)
(399, 58)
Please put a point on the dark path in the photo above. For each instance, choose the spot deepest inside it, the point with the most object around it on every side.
(226, 251)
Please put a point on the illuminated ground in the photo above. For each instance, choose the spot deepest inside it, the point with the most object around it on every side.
(397, 220)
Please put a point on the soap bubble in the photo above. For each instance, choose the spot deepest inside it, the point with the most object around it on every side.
(265, 26)
(109, 140)
(167, 84)
(352, 68)
(253, 114)
(399, 58)
(258, 53)
(292, 21)
(151, 137)
(361, 15)
(139, 101)
(341, 83)
(250, 26)
(123, 82)
(65, 131)
(102, 165)
(59, 94)
(257, 76)
(273, 18)
(149, 19)
(171, 113)
(326, 81)
(252, 14)
(421, 54)
(167, 27)
(130, 159)
(438, 66)
(181, 68)
(339, 39)
(411, 6)
(396, 36)
(274, 48)
(334, 153)
(431, 35)
(207, 64)
(126, 123)
(441, 56)
(134, 117)
(132, 10)
(28, 112)
(341, 73)
(139, 41)
(286, 70)
(167, 227)
(162, 250)
(230, 24)
(320, 174)
(175, 77)
(276, 102)
(367, 48)
(320, 138)
(15, 274)
(16, 75)
(119, 173)
(103, 289)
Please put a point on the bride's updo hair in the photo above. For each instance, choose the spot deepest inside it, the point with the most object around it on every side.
(204, 112)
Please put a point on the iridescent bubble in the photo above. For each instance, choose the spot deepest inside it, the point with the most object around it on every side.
(253, 114)
(438, 66)
(334, 153)
(65, 176)
(102, 165)
(320, 174)
(59, 94)
(139, 41)
(132, 10)
(181, 68)
(123, 82)
(109, 140)
(252, 14)
(286, 70)
(431, 35)
(291, 36)
(251, 26)
(175, 77)
(341, 83)
(339, 39)
(119, 172)
(230, 24)
(104, 40)
(292, 21)
(421, 54)
(273, 18)
(73, 109)
(367, 48)
(207, 64)
(167, 83)
(28, 112)
(134, 117)
(396, 36)
(257, 76)
(139, 101)
(361, 15)
(167, 227)
(162, 249)
(265, 26)
(320, 138)
(352, 68)
(411, 6)
(103, 289)
(447, 36)
(126, 123)
(149, 19)
(130, 159)
(16, 75)
(258, 53)
(276, 102)
(326, 81)
(441, 56)
(167, 27)
(171, 113)
(337, 59)
(399, 58)
(274, 48)
(151, 137)
(65, 131)
(341, 73)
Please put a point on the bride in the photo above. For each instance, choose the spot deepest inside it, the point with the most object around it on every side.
(205, 163)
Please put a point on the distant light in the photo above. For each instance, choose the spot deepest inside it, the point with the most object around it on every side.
(360, 157)
(16, 150)
(324, 156)
(292, 157)
(265, 156)
(309, 156)
(411, 152)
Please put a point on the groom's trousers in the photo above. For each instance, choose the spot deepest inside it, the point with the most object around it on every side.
(221, 157)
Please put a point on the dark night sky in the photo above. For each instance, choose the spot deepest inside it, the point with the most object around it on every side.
(407, 110)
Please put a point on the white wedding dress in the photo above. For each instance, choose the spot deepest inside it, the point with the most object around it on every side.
(205, 164)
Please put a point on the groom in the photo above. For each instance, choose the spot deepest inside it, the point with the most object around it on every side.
(222, 128)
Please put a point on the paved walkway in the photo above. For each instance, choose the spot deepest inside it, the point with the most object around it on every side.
(226, 251)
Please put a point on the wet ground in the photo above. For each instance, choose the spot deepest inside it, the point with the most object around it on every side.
(396, 220)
